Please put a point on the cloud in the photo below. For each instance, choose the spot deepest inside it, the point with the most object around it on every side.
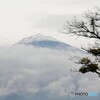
(41, 74)
(61, 87)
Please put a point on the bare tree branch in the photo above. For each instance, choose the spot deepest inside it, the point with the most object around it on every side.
(90, 27)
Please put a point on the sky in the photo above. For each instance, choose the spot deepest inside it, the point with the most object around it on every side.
(23, 18)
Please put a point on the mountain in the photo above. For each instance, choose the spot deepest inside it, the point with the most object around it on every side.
(40, 40)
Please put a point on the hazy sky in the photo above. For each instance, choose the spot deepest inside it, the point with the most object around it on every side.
(21, 18)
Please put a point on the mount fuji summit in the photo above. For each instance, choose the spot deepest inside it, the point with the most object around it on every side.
(43, 41)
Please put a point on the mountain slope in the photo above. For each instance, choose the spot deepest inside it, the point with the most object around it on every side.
(45, 42)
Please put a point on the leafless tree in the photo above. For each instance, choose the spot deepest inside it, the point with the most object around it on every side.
(88, 27)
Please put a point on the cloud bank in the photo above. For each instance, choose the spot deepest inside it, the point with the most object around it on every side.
(28, 73)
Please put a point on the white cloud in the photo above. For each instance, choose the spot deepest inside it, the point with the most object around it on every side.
(61, 87)
(40, 71)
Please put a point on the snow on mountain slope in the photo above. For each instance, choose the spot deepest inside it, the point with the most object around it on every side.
(34, 38)
(40, 40)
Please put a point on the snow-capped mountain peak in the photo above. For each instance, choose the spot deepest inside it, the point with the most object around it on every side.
(38, 37)
(43, 41)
